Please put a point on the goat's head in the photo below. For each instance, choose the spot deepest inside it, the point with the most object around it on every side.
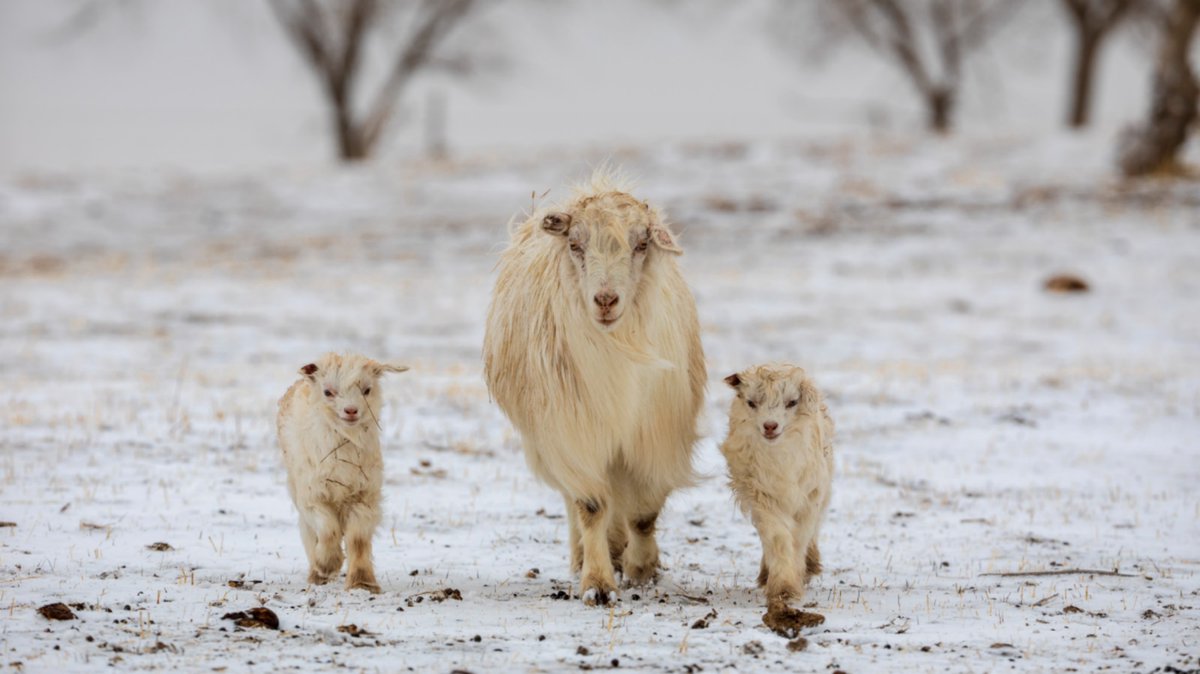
(346, 387)
(770, 399)
(609, 239)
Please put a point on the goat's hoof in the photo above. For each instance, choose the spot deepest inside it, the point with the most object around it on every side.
(369, 586)
(599, 594)
(318, 578)
(642, 574)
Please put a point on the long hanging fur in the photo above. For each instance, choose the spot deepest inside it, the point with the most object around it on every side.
(607, 419)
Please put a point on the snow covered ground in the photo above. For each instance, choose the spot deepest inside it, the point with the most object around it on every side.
(149, 322)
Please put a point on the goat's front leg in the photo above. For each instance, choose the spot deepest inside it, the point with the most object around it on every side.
(598, 585)
(361, 520)
(784, 580)
(325, 558)
(574, 537)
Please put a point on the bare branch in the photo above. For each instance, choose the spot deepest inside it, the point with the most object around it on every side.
(435, 19)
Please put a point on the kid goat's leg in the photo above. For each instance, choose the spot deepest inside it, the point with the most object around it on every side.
(784, 580)
(326, 559)
(361, 520)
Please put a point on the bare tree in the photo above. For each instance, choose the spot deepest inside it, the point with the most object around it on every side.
(928, 40)
(1154, 145)
(1092, 21)
(332, 36)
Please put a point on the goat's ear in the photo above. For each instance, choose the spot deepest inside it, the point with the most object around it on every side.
(309, 370)
(557, 223)
(810, 397)
(381, 368)
(734, 380)
(661, 236)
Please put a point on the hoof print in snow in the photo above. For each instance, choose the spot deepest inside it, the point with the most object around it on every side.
(354, 631)
(787, 622)
(160, 547)
(57, 611)
(255, 617)
(702, 623)
(446, 593)
(1065, 283)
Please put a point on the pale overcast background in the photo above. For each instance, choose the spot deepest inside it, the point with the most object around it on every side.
(213, 85)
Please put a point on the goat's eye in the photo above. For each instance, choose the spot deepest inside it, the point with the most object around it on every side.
(753, 405)
(641, 247)
(577, 249)
(367, 391)
(792, 403)
(328, 393)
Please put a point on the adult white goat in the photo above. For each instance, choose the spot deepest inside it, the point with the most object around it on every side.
(593, 352)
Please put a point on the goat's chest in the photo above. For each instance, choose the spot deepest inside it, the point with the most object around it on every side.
(343, 469)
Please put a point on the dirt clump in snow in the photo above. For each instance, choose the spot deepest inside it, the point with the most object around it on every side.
(255, 617)
(787, 622)
(57, 611)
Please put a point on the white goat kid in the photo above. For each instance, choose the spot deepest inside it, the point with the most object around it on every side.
(780, 456)
(329, 433)
(593, 352)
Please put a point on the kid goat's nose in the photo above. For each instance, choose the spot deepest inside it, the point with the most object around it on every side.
(606, 299)
(770, 426)
(351, 411)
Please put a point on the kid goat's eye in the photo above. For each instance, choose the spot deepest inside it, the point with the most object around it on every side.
(367, 391)
(752, 404)
(792, 403)
(328, 393)
(641, 247)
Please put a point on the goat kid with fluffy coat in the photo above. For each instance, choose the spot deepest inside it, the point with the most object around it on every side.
(593, 352)
(780, 455)
(329, 434)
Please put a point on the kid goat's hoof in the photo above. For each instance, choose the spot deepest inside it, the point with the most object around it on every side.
(373, 588)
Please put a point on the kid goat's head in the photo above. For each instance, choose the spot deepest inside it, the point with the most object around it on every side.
(609, 238)
(770, 399)
(347, 387)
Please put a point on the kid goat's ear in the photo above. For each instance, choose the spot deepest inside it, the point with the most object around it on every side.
(309, 370)
(734, 381)
(380, 368)
(557, 223)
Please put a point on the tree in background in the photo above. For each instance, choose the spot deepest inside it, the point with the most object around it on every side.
(928, 40)
(1153, 146)
(332, 36)
(1092, 22)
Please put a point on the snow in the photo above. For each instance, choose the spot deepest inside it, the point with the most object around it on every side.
(150, 322)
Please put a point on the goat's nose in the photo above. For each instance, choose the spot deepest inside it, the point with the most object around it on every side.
(350, 411)
(770, 426)
(606, 299)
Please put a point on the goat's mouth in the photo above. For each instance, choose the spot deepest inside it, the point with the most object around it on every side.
(350, 421)
(772, 435)
(608, 322)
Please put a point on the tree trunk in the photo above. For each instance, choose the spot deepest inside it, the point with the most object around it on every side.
(940, 108)
(1153, 146)
(1081, 77)
(351, 145)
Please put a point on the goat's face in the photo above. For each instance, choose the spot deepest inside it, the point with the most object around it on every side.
(771, 399)
(609, 239)
(347, 387)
